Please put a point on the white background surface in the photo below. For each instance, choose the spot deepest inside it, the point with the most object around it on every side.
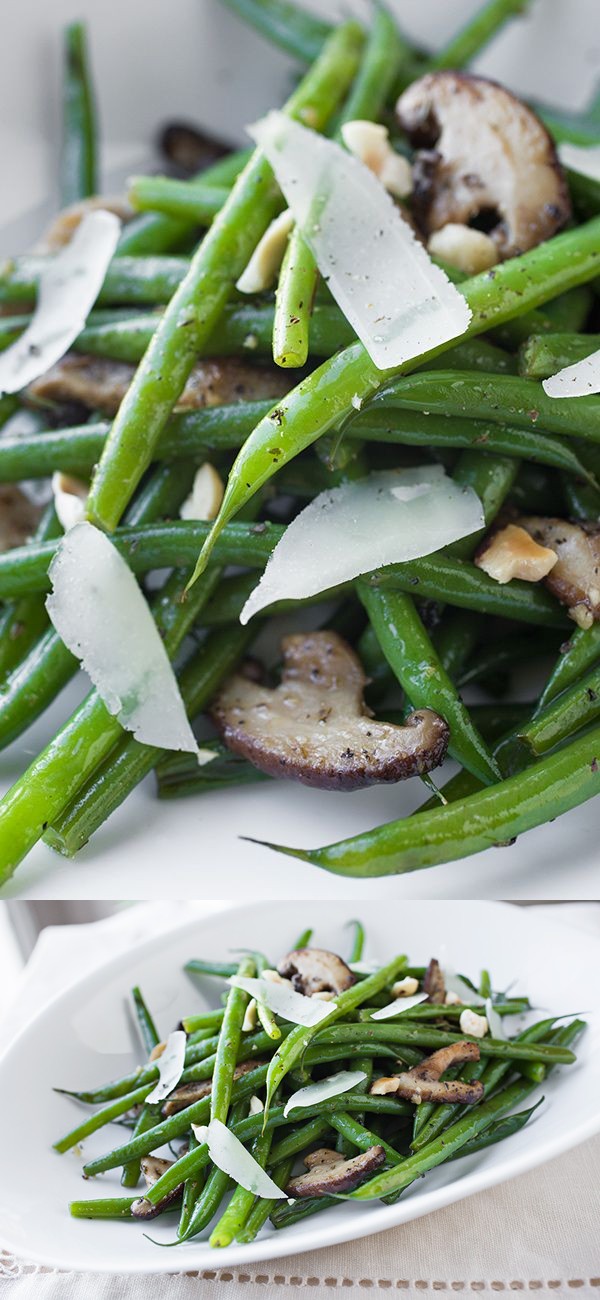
(190, 57)
(86, 1035)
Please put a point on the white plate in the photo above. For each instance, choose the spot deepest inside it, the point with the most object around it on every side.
(193, 58)
(85, 1036)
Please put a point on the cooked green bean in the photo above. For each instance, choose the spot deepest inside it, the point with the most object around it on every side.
(78, 160)
(297, 32)
(480, 29)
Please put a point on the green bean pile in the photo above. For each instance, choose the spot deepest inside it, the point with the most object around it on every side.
(245, 1071)
(423, 630)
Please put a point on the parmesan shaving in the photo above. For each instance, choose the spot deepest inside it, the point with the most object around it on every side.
(170, 1067)
(398, 1006)
(331, 1086)
(284, 1001)
(582, 379)
(495, 1022)
(68, 287)
(228, 1154)
(584, 159)
(390, 517)
(399, 303)
(102, 616)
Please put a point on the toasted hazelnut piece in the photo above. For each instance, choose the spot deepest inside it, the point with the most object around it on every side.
(469, 250)
(452, 1000)
(101, 383)
(250, 1017)
(575, 578)
(329, 1172)
(63, 227)
(405, 988)
(314, 727)
(472, 1023)
(206, 494)
(157, 1052)
(434, 983)
(267, 256)
(370, 143)
(273, 977)
(19, 517)
(424, 1082)
(482, 152)
(511, 552)
(315, 971)
(70, 496)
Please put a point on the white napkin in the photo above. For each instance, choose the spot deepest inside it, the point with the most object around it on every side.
(539, 1232)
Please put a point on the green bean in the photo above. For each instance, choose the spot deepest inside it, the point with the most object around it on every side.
(192, 1188)
(117, 1207)
(567, 311)
(199, 204)
(214, 269)
(213, 1191)
(303, 939)
(521, 402)
(229, 1044)
(263, 1207)
(358, 942)
(124, 768)
(542, 355)
(155, 233)
(78, 160)
(576, 656)
(327, 396)
(497, 1132)
(576, 707)
(457, 582)
(504, 654)
(22, 623)
(234, 1218)
(148, 1031)
(146, 1120)
(423, 1035)
(104, 1116)
(455, 640)
(410, 653)
(297, 32)
(480, 29)
(440, 1149)
(431, 1011)
(490, 817)
(220, 969)
(129, 280)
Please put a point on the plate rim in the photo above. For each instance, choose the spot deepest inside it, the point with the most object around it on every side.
(278, 1245)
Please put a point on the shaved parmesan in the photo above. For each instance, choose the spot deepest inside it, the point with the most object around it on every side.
(495, 1022)
(284, 1001)
(101, 615)
(398, 1006)
(200, 1132)
(68, 287)
(170, 1067)
(387, 518)
(331, 1086)
(206, 494)
(228, 1154)
(456, 984)
(579, 380)
(584, 159)
(397, 300)
(70, 497)
(256, 1106)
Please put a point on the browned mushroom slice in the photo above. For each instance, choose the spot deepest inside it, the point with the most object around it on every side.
(328, 1172)
(315, 970)
(19, 517)
(153, 1168)
(101, 383)
(483, 155)
(189, 148)
(434, 983)
(314, 727)
(188, 1093)
(575, 578)
(424, 1082)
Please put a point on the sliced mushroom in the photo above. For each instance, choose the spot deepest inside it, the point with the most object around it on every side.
(63, 227)
(19, 517)
(575, 578)
(314, 727)
(482, 155)
(424, 1082)
(100, 383)
(153, 1168)
(329, 1172)
(188, 1093)
(315, 970)
(434, 983)
(189, 149)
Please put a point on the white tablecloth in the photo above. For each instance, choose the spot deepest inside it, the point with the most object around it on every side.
(540, 1232)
